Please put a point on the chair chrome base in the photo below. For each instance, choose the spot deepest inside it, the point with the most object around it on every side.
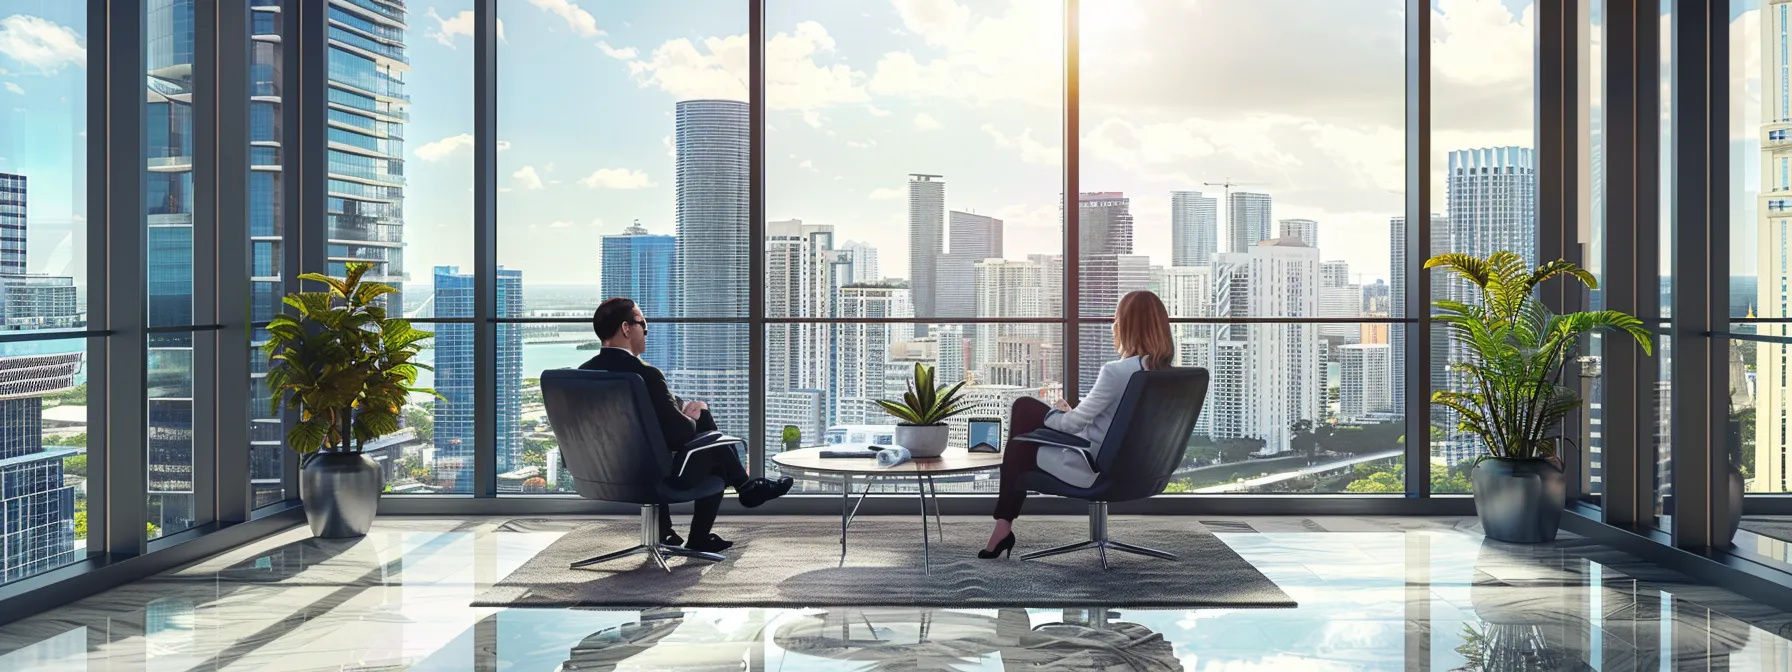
(1098, 540)
(650, 545)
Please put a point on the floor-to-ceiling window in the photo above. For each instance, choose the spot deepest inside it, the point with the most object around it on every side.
(913, 169)
(43, 392)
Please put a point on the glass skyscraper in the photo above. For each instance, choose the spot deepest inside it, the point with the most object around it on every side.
(713, 248)
(639, 265)
(455, 370)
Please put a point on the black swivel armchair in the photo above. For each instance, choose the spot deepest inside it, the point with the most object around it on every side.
(615, 453)
(1138, 457)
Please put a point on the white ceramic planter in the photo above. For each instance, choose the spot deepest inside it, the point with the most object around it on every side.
(923, 441)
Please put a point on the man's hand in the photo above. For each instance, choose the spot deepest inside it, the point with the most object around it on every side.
(694, 409)
(1062, 405)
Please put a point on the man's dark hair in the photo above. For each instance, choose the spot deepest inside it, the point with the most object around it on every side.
(611, 315)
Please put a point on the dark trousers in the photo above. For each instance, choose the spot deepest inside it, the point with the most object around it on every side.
(1019, 457)
(719, 461)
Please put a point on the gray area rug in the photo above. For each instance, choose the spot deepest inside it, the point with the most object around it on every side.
(1777, 527)
(794, 562)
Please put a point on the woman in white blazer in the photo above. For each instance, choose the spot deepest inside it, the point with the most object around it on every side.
(1142, 337)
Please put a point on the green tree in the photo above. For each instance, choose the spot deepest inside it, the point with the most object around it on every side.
(74, 396)
(421, 419)
(1306, 437)
(1391, 479)
(66, 439)
(1239, 450)
(75, 465)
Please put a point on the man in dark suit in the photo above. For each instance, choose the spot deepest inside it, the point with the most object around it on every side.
(619, 323)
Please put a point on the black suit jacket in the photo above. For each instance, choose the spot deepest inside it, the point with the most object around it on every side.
(674, 424)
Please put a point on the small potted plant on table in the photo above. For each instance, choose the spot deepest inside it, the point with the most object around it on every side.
(1514, 400)
(347, 369)
(922, 413)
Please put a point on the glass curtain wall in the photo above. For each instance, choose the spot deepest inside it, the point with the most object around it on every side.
(43, 278)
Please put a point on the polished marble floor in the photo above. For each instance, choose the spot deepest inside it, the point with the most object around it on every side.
(1374, 594)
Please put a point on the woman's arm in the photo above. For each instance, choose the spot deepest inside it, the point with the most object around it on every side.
(1109, 385)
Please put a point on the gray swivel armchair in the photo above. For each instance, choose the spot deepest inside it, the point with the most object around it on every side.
(615, 453)
(1138, 457)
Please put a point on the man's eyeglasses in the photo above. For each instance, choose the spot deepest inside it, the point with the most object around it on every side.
(639, 323)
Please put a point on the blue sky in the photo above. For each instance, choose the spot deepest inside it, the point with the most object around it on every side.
(43, 103)
(1304, 96)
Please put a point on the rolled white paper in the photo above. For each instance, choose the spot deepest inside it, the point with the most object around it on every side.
(892, 456)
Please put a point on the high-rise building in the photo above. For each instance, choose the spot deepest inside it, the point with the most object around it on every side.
(1108, 271)
(37, 505)
(926, 242)
(711, 141)
(1194, 229)
(1363, 380)
(1338, 297)
(865, 349)
(865, 268)
(1277, 368)
(1492, 207)
(1398, 286)
(639, 265)
(1306, 230)
(1247, 220)
(799, 282)
(365, 212)
(1773, 234)
(1019, 354)
(973, 238)
(13, 192)
(455, 364)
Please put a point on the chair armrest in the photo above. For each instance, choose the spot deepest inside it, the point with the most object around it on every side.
(705, 441)
(1046, 436)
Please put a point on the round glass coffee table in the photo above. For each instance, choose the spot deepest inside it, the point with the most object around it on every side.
(955, 461)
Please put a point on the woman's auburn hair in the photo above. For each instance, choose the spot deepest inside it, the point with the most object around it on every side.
(1142, 329)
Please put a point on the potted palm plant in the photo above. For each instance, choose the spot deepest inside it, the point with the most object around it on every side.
(347, 370)
(1514, 400)
(922, 413)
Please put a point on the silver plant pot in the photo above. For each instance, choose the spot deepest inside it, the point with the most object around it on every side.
(1519, 500)
(341, 492)
(923, 441)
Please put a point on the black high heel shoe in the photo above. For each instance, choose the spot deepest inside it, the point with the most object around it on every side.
(1006, 545)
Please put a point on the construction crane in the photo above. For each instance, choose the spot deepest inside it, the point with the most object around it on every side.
(1228, 184)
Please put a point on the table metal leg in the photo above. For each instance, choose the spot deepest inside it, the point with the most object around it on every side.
(926, 540)
(845, 494)
(933, 493)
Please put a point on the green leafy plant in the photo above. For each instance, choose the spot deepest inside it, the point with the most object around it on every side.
(339, 361)
(1517, 350)
(925, 404)
(792, 435)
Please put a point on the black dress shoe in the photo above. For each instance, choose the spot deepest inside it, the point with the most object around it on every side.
(759, 491)
(713, 544)
(672, 539)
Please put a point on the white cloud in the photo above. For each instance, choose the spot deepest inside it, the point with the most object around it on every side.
(617, 178)
(1013, 55)
(867, 143)
(884, 194)
(15, 88)
(527, 178)
(597, 223)
(578, 19)
(1031, 150)
(716, 67)
(448, 28)
(806, 164)
(560, 224)
(40, 43)
(623, 54)
(877, 111)
(440, 149)
(926, 122)
(812, 118)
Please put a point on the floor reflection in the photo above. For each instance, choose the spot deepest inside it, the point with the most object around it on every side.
(1374, 594)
